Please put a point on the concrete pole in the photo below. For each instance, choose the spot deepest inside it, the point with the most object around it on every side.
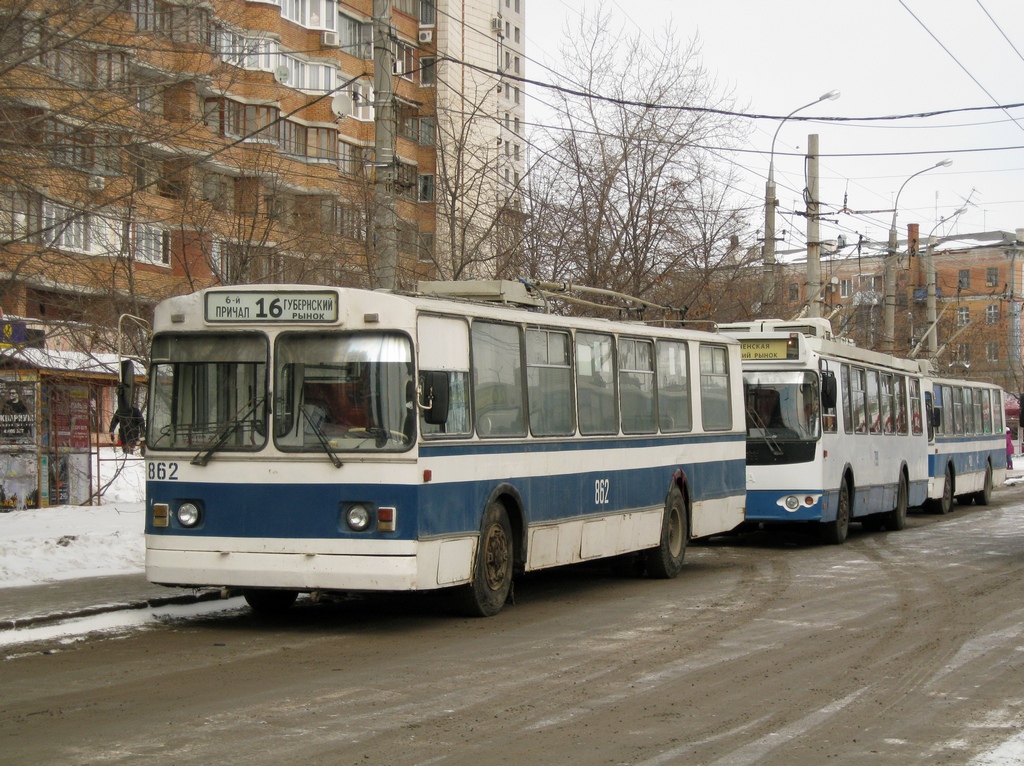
(889, 308)
(770, 203)
(813, 230)
(385, 228)
(929, 265)
(768, 282)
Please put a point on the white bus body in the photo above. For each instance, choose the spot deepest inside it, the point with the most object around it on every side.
(327, 439)
(860, 457)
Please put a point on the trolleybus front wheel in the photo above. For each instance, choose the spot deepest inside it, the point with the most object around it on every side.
(834, 532)
(665, 561)
(984, 495)
(492, 574)
(896, 519)
(270, 602)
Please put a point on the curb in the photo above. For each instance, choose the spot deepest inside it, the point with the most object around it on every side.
(91, 611)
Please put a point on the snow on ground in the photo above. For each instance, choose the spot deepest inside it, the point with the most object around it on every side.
(65, 542)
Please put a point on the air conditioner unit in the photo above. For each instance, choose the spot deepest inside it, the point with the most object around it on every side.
(96, 183)
(398, 68)
(329, 39)
(426, 35)
(496, 25)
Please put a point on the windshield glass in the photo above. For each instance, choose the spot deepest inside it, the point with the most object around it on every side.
(208, 392)
(344, 392)
(782, 405)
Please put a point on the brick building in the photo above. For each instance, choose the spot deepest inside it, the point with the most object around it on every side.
(979, 285)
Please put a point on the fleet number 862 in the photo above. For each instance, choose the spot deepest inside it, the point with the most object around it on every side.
(602, 487)
(157, 470)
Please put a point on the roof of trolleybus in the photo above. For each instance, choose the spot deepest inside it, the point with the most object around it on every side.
(359, 309)
(766, 342)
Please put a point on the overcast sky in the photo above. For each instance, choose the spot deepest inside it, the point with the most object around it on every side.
(887, 58)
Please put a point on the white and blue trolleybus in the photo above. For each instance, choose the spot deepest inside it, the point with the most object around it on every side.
(835, 433)
(304, 439)
(966, 440)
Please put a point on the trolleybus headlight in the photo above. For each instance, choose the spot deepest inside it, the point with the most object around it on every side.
(188, 514)
(792, 503)
(358, 518)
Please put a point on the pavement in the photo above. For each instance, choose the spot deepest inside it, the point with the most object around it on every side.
(55, 602)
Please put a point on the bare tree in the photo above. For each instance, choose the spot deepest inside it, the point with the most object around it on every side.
(630, 194)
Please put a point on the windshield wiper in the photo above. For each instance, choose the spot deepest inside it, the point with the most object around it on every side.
(768, 438)
(322, 438)
(203, 457)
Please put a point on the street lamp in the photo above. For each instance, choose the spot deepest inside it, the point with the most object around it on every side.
(770, 202)
(889, 310)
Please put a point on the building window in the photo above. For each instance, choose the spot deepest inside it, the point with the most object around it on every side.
(991, 314)
(963, 316)
(152, 245)
(845, 288)
(992, 351)
(794, 292)
(427, 131)
(426, 187)
(428, 76)
(992, 277)
(428, 13)
(963, 281)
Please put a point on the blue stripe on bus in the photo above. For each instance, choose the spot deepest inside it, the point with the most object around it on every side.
(965, 462)
(427, 510)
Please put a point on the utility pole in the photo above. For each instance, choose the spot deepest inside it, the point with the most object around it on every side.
(813, 230)
(385, 229)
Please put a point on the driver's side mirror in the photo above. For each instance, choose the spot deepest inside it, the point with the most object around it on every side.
(434, 397)
(829, 389)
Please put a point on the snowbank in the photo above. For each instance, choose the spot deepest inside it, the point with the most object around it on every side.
(67, 542)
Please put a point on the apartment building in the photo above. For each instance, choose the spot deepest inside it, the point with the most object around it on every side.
(979, 280)
(155, 147)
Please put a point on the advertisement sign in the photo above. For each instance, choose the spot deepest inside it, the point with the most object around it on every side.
(18, 413)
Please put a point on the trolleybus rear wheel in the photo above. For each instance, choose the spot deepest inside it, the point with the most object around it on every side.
(492, 574)
(665, 561)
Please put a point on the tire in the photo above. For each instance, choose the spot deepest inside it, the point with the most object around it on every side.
(665, 561)
(270, 602)
(486, 594)
(834, 532)
(945, 503)
(896, 519)
(984, 495)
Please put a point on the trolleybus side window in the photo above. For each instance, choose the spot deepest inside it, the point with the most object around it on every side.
(916, 417)
(716, 404)
(673, 387)
(874, 403)
(858, 395)
(986, 410)
(497, 379)
(549, 383)
(958, 410)
(901, 405)
(636, 386)
(969, 426)
(845, 376)
(888, 403)
(595, 384)
(444, 347)
(979, 418)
